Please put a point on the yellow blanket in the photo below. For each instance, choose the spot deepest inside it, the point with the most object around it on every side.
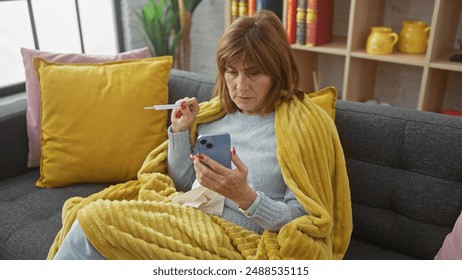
(134, 220)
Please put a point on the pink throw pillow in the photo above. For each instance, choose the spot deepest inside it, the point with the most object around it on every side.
(33, 87)
(452, 245)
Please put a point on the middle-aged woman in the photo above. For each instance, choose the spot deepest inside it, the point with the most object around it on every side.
(287, 195)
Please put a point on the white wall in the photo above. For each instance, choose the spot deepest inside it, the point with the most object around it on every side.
(207, 27)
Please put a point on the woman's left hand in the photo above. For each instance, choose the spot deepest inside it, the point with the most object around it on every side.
(227, 182)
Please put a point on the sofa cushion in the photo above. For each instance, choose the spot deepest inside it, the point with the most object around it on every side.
(360, 250)
(94, 128)
(31, 217)
(33, 88)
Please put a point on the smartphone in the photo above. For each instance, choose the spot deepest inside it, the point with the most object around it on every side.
(216, 146)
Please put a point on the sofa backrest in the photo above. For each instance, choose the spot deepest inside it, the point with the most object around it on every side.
(405, 172)
(188, 84)
(183, 83)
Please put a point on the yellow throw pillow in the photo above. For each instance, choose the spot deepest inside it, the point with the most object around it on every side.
(94, 127)
(326, 98)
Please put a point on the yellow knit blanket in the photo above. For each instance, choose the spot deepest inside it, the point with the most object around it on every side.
(135, 220)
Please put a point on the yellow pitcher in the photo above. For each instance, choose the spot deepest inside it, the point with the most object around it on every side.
(413, 37)
(381, 40)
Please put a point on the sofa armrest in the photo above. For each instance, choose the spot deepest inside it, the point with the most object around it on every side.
(13, 138)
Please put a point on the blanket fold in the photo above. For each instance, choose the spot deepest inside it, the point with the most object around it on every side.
(136, 219)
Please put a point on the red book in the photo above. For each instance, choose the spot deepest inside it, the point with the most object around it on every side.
(452, 112)
(252, 7)
(291, 20)
(319, 22)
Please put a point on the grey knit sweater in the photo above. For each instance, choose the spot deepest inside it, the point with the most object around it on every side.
(254, 139)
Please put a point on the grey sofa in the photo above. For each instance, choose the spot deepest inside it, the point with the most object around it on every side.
(404, 166)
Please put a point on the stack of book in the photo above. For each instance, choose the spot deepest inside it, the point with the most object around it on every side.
(249, 7)
(309, 22)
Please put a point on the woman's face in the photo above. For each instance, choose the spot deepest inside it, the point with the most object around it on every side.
(248, 88)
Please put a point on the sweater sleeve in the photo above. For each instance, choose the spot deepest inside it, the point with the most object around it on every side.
(273, 215)
(179, 165)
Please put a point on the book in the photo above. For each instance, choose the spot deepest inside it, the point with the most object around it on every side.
(261, 4)
(291, 13)
(243, 8)
(234, 9)
(300, 22)
(252, 7)
(319, 22)
(275, 6)
(272, 5)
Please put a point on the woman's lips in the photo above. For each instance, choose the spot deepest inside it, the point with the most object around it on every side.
(245, 98)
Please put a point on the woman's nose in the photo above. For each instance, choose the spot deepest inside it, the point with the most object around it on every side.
(242, 82)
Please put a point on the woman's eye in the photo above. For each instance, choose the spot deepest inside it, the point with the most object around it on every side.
(252, 72)
(231, 72)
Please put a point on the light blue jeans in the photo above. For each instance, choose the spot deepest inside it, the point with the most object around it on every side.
(76, 246)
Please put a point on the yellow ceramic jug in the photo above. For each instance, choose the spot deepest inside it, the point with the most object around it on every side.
(381, 40)
(413, 37)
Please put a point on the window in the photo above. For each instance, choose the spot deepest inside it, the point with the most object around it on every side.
(77, 26)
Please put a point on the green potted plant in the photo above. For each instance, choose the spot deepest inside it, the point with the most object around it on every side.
(160, 26)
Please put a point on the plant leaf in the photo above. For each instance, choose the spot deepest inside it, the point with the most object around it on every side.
(159, 25)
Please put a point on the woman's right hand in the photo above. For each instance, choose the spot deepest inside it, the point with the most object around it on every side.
(184, 116)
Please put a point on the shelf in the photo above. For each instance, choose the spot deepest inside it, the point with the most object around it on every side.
(397, 57)
(337, 47)
(444, 63)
